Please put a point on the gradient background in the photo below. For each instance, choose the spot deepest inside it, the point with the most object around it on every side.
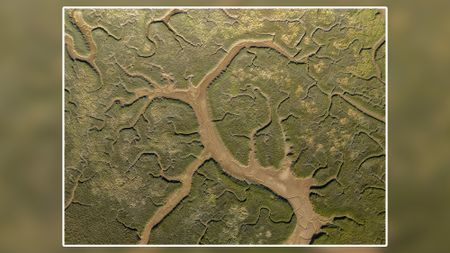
(31, 130)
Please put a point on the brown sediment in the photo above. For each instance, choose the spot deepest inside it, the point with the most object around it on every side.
(86, 30)
(174, 198)
(281, 181)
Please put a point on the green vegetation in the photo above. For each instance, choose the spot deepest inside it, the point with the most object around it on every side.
(222, 210)
(203, 126)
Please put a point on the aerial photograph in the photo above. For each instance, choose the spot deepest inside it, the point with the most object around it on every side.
(224, 126)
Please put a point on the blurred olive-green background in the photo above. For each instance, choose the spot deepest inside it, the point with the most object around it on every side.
(31, 129)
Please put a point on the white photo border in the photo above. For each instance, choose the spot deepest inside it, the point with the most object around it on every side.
(385, 8)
